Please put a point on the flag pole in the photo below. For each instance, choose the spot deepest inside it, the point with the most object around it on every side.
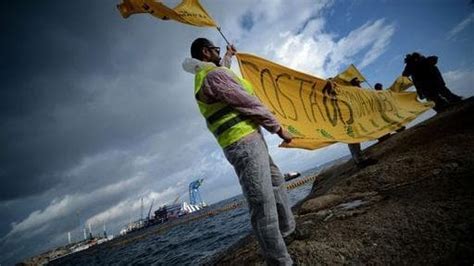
(370, 86)
(225, 39)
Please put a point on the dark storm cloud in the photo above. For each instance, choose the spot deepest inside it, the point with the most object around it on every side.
(46, 49)
(61, 99)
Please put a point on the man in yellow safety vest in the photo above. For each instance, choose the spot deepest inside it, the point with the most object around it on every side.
(234, 115)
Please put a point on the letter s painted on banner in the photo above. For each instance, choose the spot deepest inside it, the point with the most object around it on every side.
(330, 95)
(295, 118)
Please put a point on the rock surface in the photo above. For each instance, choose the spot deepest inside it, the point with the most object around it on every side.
(415, 206)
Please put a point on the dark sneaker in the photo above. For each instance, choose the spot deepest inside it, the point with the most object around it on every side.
(366, 162)
(455, 99)
(400, 129)
(298, 234)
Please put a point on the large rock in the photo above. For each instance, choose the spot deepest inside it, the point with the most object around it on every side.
(320, 203)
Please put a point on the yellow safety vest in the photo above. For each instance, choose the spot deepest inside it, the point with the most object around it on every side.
(226, 124)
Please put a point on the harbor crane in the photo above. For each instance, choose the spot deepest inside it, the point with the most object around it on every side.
(194, 195)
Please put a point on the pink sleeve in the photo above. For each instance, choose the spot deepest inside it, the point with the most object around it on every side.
(227, 60)
(219, 85)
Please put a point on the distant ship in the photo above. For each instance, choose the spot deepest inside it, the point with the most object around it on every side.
(291, 175)
(170, 212)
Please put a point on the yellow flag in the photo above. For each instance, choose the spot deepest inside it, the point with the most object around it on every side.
(129, 7)
(318, 112)
(401, 84)
(188, 11)
(345, 77)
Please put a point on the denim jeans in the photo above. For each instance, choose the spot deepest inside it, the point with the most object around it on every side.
(264, 188)
(356, 152)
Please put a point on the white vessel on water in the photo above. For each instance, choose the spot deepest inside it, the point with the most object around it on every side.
(162, 215)
(167, 212)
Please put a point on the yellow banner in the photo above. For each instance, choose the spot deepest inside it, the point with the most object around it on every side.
(188, 11)
(319, 112)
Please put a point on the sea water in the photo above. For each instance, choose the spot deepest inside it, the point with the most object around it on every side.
(187, 243)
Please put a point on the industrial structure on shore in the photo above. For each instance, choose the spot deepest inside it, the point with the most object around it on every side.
(169, 212)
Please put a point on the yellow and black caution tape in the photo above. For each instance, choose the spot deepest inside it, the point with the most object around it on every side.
(300, 182)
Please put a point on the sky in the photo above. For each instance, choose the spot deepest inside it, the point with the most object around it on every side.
(96, 111)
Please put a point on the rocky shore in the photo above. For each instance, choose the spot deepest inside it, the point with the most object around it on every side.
(415, 206)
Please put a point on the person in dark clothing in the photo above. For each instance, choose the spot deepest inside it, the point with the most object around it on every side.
(378, 87)
(428, 81)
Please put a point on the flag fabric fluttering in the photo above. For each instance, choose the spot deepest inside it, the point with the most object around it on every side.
(401, 84)
(189, 12)
(345, 77)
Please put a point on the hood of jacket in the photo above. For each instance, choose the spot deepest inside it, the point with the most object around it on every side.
(192, 65)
